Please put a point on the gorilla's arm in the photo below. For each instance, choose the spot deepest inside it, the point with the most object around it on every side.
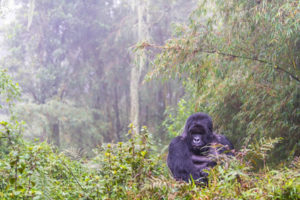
(180, 161)
(203, 162)
(221, 139)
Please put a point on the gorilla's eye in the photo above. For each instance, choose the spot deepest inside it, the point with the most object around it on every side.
(198, 133)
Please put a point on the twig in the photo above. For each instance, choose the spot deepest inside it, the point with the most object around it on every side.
(75, 178)
(144, 44)
(250, 58)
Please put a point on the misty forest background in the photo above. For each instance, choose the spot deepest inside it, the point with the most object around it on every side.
(92, 91)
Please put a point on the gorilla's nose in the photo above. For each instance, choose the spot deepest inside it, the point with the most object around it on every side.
(196, 140)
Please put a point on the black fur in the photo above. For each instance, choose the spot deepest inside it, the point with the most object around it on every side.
(192, 152)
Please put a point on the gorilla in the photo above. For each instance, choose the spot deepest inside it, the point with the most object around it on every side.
(196, 148)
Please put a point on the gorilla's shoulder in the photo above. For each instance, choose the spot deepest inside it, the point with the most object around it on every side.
(177, 142)
(222, 139)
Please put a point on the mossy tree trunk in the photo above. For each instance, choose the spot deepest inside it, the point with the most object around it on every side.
(139, 61)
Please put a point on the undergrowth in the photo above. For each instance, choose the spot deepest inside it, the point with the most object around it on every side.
(134, 170)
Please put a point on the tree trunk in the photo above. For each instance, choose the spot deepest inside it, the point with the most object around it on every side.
(117, 115)
(110, 132)
(55, 134)
(134, 98)
(139, 63)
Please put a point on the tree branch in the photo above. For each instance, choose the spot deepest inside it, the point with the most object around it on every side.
(83, 189)
(249, 58)
(146, 44)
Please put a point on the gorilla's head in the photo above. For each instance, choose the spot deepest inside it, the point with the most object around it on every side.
(199, 132)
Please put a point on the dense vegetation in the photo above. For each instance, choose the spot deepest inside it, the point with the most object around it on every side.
(134, 170)
(239, 61)
(243, 70)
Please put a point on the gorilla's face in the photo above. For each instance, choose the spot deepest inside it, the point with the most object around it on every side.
(199, 132)
(200, 137)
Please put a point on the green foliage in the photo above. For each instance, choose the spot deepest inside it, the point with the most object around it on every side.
(241, 59)
(35, 171)
(236, 180)
(10, 134)
(10, 129)
(176, 119)
(9, 90)
(126, 168)
(134, 170)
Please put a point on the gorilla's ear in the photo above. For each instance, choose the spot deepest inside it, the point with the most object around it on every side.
(184, 133)
(186, 128)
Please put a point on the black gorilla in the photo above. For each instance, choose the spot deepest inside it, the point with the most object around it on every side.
(194, 150)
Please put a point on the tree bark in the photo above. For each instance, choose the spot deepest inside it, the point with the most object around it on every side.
(139, 62)
(117, 115)
(55, 134)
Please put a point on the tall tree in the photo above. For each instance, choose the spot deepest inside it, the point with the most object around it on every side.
(141, 8)
(72, 59)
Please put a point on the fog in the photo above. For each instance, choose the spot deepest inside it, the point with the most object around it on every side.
(80, 74)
